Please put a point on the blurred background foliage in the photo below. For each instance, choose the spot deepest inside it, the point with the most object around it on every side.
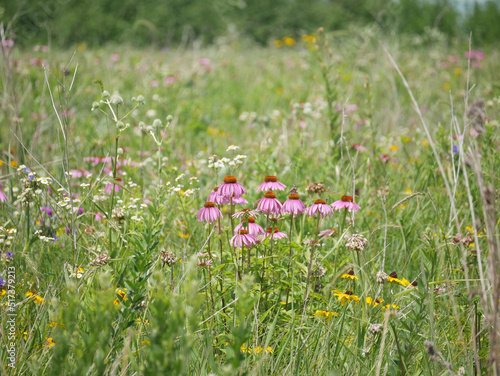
(174, 22)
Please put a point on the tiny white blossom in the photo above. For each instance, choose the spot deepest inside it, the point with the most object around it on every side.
(232, 147)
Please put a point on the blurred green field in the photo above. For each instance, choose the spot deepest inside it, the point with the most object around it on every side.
(109, 272)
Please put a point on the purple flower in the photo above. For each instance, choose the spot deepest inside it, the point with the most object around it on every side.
(274, 233)
(319, 207)
(217, 198)
(98, 216)
(67, 230)
(247, 212)
(231, 188)
(455, 149)
(347, 203)
(3, 196)
(80, 210)
(239, 201)
(271, 183)
(328, 232)
(208, 213)
(10, 254)
(250, 225)
(294, 204)
(2, 282)
(243, 238)
(269, 204)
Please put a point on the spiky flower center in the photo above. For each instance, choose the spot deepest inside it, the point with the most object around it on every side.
(270, 179)
(350, 272)
(208, 205)
(251, 220)
(270, 195)
(346, 199)
(230, 179)
(242, 232)
(293, 196)
(393, 275)
(349, 292)
(216, 189)
(414, 283)
(320, 201)
(270, 230)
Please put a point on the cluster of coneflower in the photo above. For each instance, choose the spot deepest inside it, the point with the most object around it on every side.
(247, 233)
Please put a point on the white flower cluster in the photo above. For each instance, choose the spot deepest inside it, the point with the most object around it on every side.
(248, 116)
(7, 236)
(232, 148)
(215, 162)
(46, 239)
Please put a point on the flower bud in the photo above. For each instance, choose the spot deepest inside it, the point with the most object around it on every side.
(157, 123)
(105, 94)
(95, 105)
(116, 99)
(120, 151)
(170, 118)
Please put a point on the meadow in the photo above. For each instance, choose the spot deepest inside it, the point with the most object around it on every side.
(351, 227)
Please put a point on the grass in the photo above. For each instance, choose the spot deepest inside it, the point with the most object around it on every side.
(111, 273)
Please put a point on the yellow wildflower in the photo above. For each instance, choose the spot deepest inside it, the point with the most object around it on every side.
(49, 342)
(347, 296)
(278, 43)
(269, 350)
(326, 314)
(374, 302)
(289, 41)
(146, 342)
(394, 148)
(349, 275)
(393, 306)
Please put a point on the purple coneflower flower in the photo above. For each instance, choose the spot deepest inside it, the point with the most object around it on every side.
(345, 202)
(3, 196)
(248, 212)
(274, 233)
(294, 204)
(271, 183)
(217, 198)
(269, 204)
(208, 213)
(328, 232)
(250, 225)
(319, 207)
(243, 238)
(231, 188)
(239, 201)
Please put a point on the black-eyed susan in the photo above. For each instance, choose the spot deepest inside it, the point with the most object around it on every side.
(390, 306)
(393, 278)
(373, 302)
(349, 275)
(347, 296)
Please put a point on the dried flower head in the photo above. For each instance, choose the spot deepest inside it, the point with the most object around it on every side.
(381, 277)
(100, 260)
(375, 329)
(315, 188)
(356, 242)
(168, 258)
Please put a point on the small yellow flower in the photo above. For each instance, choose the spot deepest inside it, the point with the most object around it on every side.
(146, 342)
(278, 43)
(244, 349)
(289, 41)
(269, 350)
(393, 278)
(39, 300)
(49, 342)
(457, 71)
(309, 38)
(283, 303)
(408, 191)
(29, 294)
(326, 314)
(374, 302)
(258, 350)
(349, 275)
(446, 86)
(14, 163)
(425, 143)
(25, 335)
(394, 148)
(393, 306)
(2, 292)
(116, 301)
(347, 296)
(123, 294)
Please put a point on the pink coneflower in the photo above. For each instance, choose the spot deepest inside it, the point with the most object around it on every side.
(274, 233)
(319, 207)
(208, 213)
(250, 225)
(239, 201)
(346, 202)
(271, 183)
(215, 197)
(269, 204)
(3, 196)
(328, 232)
(294, 204)
(247, 212)
(243, 238)
(231, 188)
